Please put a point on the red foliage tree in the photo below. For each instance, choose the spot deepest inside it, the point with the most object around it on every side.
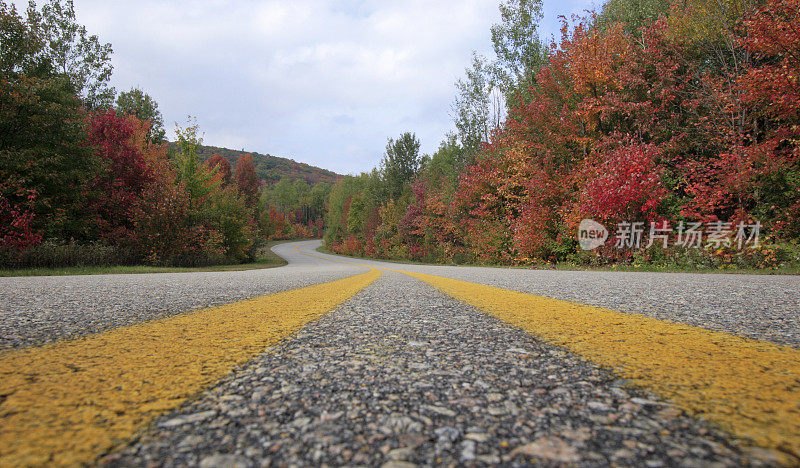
(246, 178)
(623, 184)
(124, 177)
(773, 86)
(223, 168)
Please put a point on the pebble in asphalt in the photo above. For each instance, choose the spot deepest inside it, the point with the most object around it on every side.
(402, 375)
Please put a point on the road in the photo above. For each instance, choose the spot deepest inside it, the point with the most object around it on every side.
(337, 361)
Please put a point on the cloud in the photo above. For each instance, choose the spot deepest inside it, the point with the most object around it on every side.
(323, 82)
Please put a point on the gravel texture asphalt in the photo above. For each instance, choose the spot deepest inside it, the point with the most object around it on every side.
(762, 307)
(402, 375)
(39, 309)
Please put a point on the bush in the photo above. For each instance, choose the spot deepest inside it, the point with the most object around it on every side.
(57, 255)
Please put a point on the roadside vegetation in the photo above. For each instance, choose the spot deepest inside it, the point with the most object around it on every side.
(264, 258)
(88, 179)
(646, 114)
(789, 268)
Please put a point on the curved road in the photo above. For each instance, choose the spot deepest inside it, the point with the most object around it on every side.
(36, 310)
(402, 374)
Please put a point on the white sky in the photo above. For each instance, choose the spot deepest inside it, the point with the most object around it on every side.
(322, 82)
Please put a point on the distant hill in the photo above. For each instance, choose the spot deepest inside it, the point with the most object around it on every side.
(272, 168)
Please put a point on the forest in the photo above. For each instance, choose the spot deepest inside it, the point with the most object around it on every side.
(671, 117)
(87, 176)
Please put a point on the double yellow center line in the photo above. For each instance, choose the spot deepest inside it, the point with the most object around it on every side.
(69, 402)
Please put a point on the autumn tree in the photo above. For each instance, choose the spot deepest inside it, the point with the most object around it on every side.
(246, 178)
(649, 111)
(772, 87)
(221, 166)
(123, 179)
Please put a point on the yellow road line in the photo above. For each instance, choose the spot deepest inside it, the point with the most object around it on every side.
(69, 402)
(749, 388)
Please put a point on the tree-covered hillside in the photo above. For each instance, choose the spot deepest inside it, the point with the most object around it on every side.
(273, 168)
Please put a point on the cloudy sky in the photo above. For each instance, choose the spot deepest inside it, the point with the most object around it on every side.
(322, 82)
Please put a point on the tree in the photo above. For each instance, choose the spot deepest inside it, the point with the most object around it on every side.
(195, 176)
(221, 166)
(400, 163)
(772, 86)
(633, 14)
(520, 52)
(490, 86)
(72, 52)
(319, 193)
(43, 143)
(283, 194)
(443, 167)
(21, 50)
(138, 104)
(336, 218)
(16, 225)
(228, 213)
(123, 179)
(478, 105)
(246, 178)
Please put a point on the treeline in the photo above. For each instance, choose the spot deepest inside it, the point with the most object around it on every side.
(644, 112)
(293, 209)
(87, 177)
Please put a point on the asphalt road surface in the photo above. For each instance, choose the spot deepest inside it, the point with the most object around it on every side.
(402, 373)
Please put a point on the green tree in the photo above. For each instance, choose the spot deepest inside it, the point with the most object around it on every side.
(137, 103)
(196, 177)
(284, 194)
(357, 214)
(520, 52)
(633, 14)
(337, 217)
(21, 46)
(478, 105)
(400, 163)
(444, 166)
(43, 134)
(227, 212)
(73, 52)
(490, 87)
(318, 196)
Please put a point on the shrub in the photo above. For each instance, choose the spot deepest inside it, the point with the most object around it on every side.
(52, 254)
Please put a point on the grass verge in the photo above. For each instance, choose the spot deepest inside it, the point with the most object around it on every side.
(266, 259)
